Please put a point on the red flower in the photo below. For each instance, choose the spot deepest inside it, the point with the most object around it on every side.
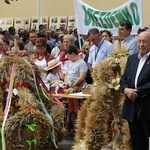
(63, 131)
(25, 84)
(29, 108)
(3, 83)
(110, 117)
(114, 130)
(19, 83)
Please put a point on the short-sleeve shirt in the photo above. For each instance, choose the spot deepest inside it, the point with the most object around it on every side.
(52, 77)
(55, 52)
(74, 70)
(29, 48)
(130, 44)
(42, 64)
(99, 52)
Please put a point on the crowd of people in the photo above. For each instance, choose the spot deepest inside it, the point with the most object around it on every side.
(61, 55)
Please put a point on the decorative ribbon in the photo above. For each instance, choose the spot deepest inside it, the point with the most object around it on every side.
(43, 92)
(7, 107)
(51, 95)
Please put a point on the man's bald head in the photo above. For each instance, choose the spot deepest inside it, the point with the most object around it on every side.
(144, 42)
(144, 33)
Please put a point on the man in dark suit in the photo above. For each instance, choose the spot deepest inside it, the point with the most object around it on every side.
(135, 83)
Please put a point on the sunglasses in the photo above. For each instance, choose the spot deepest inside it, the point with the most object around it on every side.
(87, 49)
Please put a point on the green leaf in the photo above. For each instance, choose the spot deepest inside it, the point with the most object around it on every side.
(29, 142)
(34, 141)
(27, 125)
(31, 126)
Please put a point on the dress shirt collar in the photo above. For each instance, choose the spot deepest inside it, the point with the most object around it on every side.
(100, 43)
(128, 38)
(147, 55)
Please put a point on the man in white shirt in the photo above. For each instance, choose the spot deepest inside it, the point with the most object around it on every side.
(31, 44)
(100, 49)
(129, 42)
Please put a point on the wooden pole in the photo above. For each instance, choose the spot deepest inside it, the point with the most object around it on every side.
(38, 13)
(119, 41)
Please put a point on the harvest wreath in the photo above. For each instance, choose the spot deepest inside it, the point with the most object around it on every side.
(99, 124)
(32, 118)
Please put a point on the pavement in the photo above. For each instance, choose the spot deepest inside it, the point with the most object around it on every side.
(67, 143)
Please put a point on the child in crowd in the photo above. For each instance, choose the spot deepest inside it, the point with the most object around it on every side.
(53, 69)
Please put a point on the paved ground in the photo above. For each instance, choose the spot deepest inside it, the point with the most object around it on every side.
(66, 144)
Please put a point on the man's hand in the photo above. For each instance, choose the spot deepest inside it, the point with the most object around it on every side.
(131, 94)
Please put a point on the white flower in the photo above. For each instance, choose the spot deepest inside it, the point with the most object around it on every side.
(15, 92)
(115, 84)
(117, 87)
(116, 60)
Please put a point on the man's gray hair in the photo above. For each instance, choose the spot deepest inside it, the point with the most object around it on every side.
(93, 31)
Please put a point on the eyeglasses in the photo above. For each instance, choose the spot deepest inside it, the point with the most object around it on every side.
(87, 49)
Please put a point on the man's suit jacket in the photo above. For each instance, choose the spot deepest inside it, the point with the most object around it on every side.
(143, 89)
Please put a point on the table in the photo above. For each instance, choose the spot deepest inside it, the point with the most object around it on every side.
(80, 97)
(74, 95)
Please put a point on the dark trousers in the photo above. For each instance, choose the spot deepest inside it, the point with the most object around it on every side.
(140, 133)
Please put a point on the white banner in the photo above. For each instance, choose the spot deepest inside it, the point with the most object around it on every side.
(88, 17)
